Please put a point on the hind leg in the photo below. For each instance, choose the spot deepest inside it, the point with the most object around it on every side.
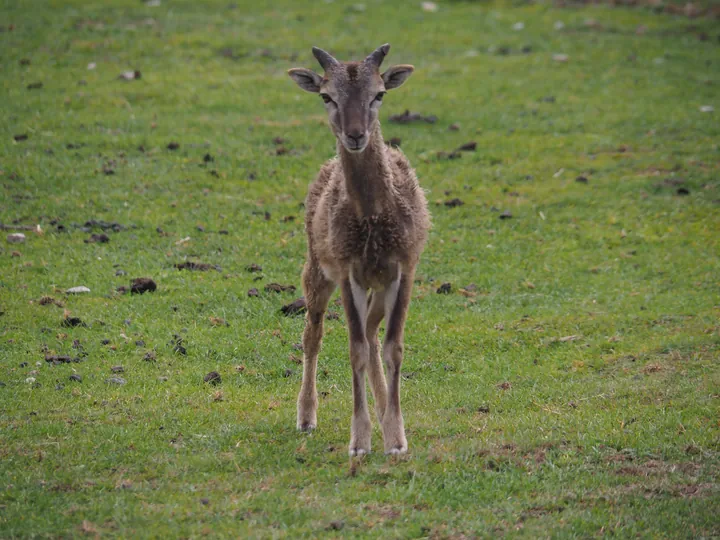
(396, 307)
(375, 371)
(318, 290)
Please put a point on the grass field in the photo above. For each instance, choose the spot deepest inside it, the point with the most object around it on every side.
(572, 391)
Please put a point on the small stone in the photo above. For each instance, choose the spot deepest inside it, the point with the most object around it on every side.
(506, 215)
(205, 501)
(277, 287)
(213, 378)
(430, 7)
(16, 238)
(253, 292)
(149, 356)
(454, 127)
(294, 308)
(142, 285)
(452, 203)
(560, 57)
(77, 290)
(581, 180)
(75, 377)
(468, 147)
(116, 380)
(71, 322)
(254, 268)
(120, 273)
(173, 146)
(139, 343)
(101, 238)
(288, 373)
(117, 369)
(707, 108)
(445, 288)
(130, 75)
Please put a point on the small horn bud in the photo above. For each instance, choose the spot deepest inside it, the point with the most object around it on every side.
(378, 55)
(325, 59)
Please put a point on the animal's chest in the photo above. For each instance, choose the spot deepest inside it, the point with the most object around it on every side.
(372, 246)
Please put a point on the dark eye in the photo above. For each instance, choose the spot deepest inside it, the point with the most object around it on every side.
(326, 98)
(379, 96)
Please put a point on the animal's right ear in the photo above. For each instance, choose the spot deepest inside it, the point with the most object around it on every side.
(306, 79)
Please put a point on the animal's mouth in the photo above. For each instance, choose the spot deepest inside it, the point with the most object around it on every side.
(354, 147)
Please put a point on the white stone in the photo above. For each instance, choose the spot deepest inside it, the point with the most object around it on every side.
(430, 7)
(77, 290)
(707, 108)
(518, 26)
(16, 238)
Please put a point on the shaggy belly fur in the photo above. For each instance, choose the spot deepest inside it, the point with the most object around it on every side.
(372, 248)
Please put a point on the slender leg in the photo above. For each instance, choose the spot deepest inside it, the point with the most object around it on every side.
(355, 302)
(376, 373)
(318, 290)
(396, 308)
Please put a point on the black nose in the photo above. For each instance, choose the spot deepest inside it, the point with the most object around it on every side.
(356, 136)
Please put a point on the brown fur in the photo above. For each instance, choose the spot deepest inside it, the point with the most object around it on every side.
(367, 223)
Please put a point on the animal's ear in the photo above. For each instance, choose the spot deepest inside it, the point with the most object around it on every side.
(306, 79)
(396, 75)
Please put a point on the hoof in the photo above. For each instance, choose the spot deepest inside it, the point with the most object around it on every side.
(396, 451)
(306, 427)
(358, 452)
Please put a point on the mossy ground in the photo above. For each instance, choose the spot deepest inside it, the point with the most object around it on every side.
(574, 392)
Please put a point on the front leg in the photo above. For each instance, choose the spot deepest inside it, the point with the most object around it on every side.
(397, 301)
(355, 302)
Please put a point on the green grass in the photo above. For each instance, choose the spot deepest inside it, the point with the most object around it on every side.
(613, 432)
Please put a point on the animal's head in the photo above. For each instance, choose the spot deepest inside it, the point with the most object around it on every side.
(352, 92)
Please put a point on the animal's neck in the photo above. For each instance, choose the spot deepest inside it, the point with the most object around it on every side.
(367, 175)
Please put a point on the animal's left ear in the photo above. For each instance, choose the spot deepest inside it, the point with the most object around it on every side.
(396, 75)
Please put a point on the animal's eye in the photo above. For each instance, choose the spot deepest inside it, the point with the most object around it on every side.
(379, 96)
(326, 98)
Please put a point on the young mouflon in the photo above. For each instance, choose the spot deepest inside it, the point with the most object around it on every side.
(367, 222)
